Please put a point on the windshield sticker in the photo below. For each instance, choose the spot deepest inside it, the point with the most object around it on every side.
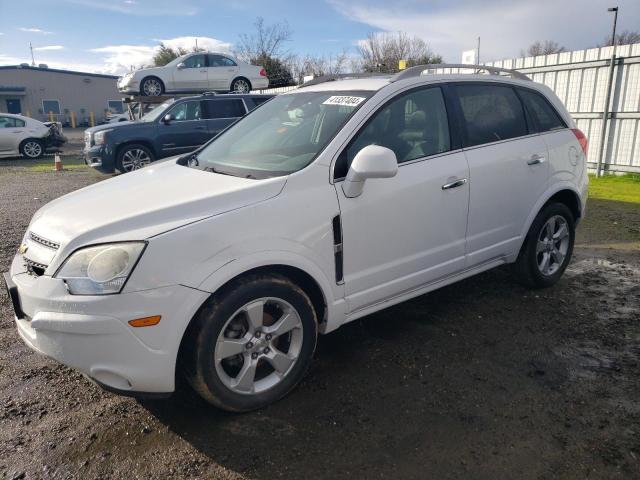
(344, 100)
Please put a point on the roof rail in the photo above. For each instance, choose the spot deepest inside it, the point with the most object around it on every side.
(341, 76)
(419, 69)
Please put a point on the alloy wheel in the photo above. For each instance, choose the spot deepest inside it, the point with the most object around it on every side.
(241, 86)
(32, 149)
(552, 245)
(152, 87)
(258, 346)
(135, 159)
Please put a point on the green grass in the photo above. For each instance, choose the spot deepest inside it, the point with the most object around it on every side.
(621, 188)
(47, 164)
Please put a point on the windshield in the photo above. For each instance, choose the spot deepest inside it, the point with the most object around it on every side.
(280, 137)
(156, 112)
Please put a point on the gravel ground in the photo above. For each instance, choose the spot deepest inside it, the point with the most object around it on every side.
(483, 380)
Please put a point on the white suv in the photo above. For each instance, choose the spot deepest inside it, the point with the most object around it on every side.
(322, 206)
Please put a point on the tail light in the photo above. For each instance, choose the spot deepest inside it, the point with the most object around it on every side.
(584, 143)
(263, 73)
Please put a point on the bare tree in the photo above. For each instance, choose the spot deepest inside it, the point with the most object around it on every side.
(318, 65)
(623, 38)
(267, 41)
(382, 52)
(266, 47)
(542, 48)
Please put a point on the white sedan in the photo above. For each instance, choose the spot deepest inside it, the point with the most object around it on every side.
(27, 137)
(195, 72)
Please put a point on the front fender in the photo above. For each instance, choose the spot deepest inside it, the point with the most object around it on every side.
(236, 267)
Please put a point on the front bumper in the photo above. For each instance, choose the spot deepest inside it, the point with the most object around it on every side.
(92, 334)
(129, 86)
(100, 157)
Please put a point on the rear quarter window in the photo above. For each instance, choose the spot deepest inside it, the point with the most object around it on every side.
(545, 116)
(227, 108)
(491, 113)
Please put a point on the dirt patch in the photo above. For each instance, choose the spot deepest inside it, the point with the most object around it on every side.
(483, 379)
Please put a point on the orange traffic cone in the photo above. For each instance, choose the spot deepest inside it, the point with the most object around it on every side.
(58, 162)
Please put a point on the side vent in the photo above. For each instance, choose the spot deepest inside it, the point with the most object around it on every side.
(337, 247)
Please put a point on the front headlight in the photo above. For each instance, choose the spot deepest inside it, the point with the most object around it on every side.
(100, 270)
(100, 136)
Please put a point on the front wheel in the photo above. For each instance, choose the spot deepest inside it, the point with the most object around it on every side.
(133, 157)
(32, 148)
(151, 87)
(548, 247)
(251, 344)
(241, 85)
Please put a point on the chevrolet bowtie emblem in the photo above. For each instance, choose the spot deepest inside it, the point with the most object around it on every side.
(23, 249)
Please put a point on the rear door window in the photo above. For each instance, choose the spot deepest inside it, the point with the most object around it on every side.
(227, 108)
(491, 113)
(545, 115)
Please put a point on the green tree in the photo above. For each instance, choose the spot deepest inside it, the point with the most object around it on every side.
(166, 54)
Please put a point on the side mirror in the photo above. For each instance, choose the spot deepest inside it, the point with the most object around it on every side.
(373, 161)
(168, 118)
(180, 66)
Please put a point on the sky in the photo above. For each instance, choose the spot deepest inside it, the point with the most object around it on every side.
(111, 36)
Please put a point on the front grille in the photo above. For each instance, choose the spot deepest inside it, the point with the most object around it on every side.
(44, 241)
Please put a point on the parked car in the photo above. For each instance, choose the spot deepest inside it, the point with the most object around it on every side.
(196, 72)
(30, 138)
(174, 127)
(326, 204)
(125, 117)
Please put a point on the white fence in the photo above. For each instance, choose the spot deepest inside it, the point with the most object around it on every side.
(579, 78)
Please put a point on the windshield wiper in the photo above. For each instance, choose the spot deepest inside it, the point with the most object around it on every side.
(219, 172)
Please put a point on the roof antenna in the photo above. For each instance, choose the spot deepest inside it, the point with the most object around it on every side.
(33, 62)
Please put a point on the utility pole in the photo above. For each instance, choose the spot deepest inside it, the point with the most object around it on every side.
(33, 62)
(478, 52)
(196, 44)
(607, 100)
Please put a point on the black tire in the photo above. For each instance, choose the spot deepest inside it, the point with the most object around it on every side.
(198, 355)
(151, 87)
(32, 148)
(241, 85)
(133, 157)
(527, 267)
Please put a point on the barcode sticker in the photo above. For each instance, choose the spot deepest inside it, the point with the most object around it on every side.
(344, 100)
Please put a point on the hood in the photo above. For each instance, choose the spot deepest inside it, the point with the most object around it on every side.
(145, 203)
(111, 126)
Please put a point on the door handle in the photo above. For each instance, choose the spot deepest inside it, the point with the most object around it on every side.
(455, 184)
(536, 159)
(199, 128)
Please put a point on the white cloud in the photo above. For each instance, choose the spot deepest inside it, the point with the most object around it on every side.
(47, 48)
(505, 26)
(34, 30)
(147, 8)
(118, 59)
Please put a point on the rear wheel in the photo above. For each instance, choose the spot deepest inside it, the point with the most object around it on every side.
(548, 247)
(241, 85)
(133, 157)
(151, 87)
(251, 344)
(32, 148)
